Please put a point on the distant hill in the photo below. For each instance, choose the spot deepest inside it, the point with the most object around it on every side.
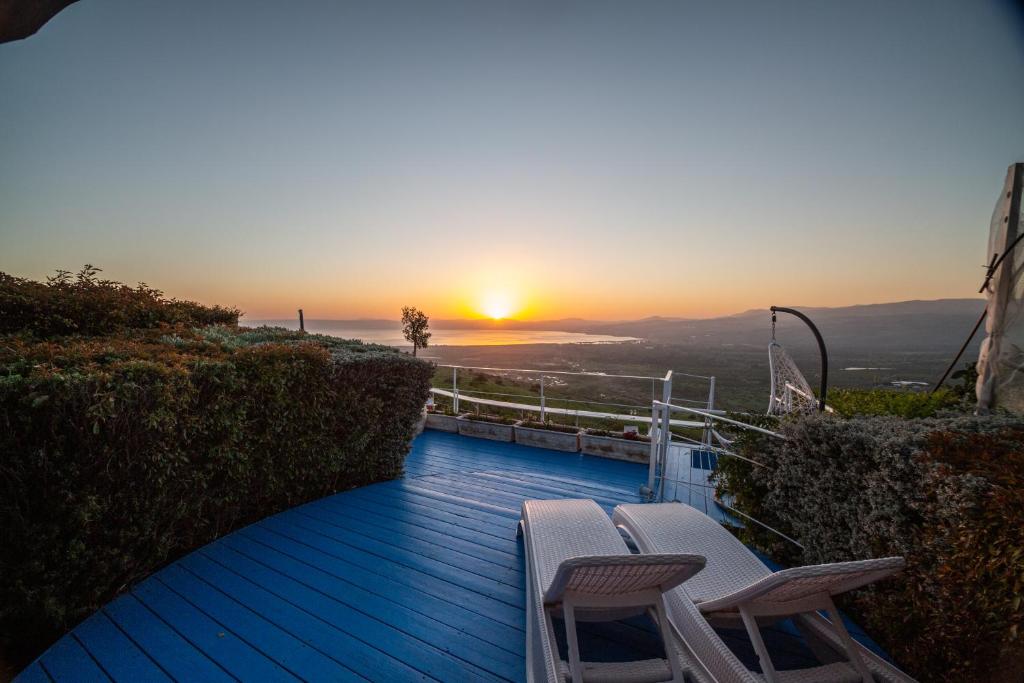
(933, 326)
(938, 325)
(912, 326)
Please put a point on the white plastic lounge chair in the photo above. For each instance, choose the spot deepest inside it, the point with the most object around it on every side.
(579, 566)
(736, 588)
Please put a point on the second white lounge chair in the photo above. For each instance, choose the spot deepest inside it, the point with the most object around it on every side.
(737, 588)
(579, 567)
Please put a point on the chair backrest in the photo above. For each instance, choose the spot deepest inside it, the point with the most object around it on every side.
(621, 575)
(784, 591)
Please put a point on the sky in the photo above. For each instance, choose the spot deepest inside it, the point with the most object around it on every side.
(528, 159)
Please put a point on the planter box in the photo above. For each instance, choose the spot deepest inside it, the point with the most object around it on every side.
(442, 423)
(547, 438)
(617, 449)
(484, 430)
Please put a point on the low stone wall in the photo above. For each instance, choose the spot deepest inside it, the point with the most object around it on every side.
(442, 423)
(617, 449)
(484, 430)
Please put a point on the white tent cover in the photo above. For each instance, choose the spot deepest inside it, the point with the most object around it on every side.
(1001, 360)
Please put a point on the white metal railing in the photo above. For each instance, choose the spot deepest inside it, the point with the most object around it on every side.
(661, 412)
(667, 448)
(613, 411)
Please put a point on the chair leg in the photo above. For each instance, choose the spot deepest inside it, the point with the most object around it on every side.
(762, 652)
(575, 667)
(851, 647)
(668, 639)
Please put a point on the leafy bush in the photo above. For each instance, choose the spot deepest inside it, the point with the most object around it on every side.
(909, 404)
(628, 436)
(87, 305)
(550, 426)
(496, 419)
(121, 454)
(945, 493)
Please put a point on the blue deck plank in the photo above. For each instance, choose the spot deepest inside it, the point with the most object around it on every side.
(280, 604)
(115, 652)
(175, 655)
(262, 631)
(456, 570)
(68, 660)
(34, 674)
(419, 578)
(310, 604)
(403, 504)
(511, 615)
(445, 547)
(337, 579)
(211, 637)
(426, 527)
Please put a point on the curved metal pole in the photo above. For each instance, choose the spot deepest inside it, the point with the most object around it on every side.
(821, 348)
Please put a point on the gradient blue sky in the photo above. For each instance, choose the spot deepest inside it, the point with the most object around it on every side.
(603, 160)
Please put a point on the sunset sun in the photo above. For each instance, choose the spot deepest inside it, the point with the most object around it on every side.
(497, 305)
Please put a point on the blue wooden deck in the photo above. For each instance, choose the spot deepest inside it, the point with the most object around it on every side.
(415, 579)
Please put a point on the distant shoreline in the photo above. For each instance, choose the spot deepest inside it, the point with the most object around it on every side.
(391, 335)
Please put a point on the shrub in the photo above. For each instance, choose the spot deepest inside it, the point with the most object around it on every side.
(628, 436)
(87, 305)
(550, 426)
(496, 419)
(121, 454)
(908, 404)
(944, 493)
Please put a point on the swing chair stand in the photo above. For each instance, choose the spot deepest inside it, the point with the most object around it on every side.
(821, 348)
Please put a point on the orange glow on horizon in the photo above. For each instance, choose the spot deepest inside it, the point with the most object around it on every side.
(497, 305)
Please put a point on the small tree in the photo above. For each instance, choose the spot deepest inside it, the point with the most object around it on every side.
(414, 327)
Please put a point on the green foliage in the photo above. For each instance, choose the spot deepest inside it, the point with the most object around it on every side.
(629, 436)
(119, 454)
(496, 419)
(944, 493)
(550, 426)
(963, 381)
(87, 305)
(909, 404)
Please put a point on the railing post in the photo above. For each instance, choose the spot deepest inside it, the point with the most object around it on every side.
(542, 398)
(455, 390)
(652, 465)
(708, 424)
(665, 437)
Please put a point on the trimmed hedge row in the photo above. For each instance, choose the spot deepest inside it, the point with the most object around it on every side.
(87, 305)
(946, 493)
(118, 455)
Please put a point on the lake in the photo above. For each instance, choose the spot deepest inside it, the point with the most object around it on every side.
(391, 335)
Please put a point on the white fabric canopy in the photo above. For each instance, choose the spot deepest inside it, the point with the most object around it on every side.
(1001, 359)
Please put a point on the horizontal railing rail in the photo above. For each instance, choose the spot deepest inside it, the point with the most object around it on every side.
(582, 407)
(662, 440)
(554, 410)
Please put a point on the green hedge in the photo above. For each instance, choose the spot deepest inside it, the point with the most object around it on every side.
(118, 455)
(947, 494)
(909, 404)
(87, 305)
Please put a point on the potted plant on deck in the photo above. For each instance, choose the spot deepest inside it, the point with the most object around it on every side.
(627, 445)
(493, 427)
(547, 435)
